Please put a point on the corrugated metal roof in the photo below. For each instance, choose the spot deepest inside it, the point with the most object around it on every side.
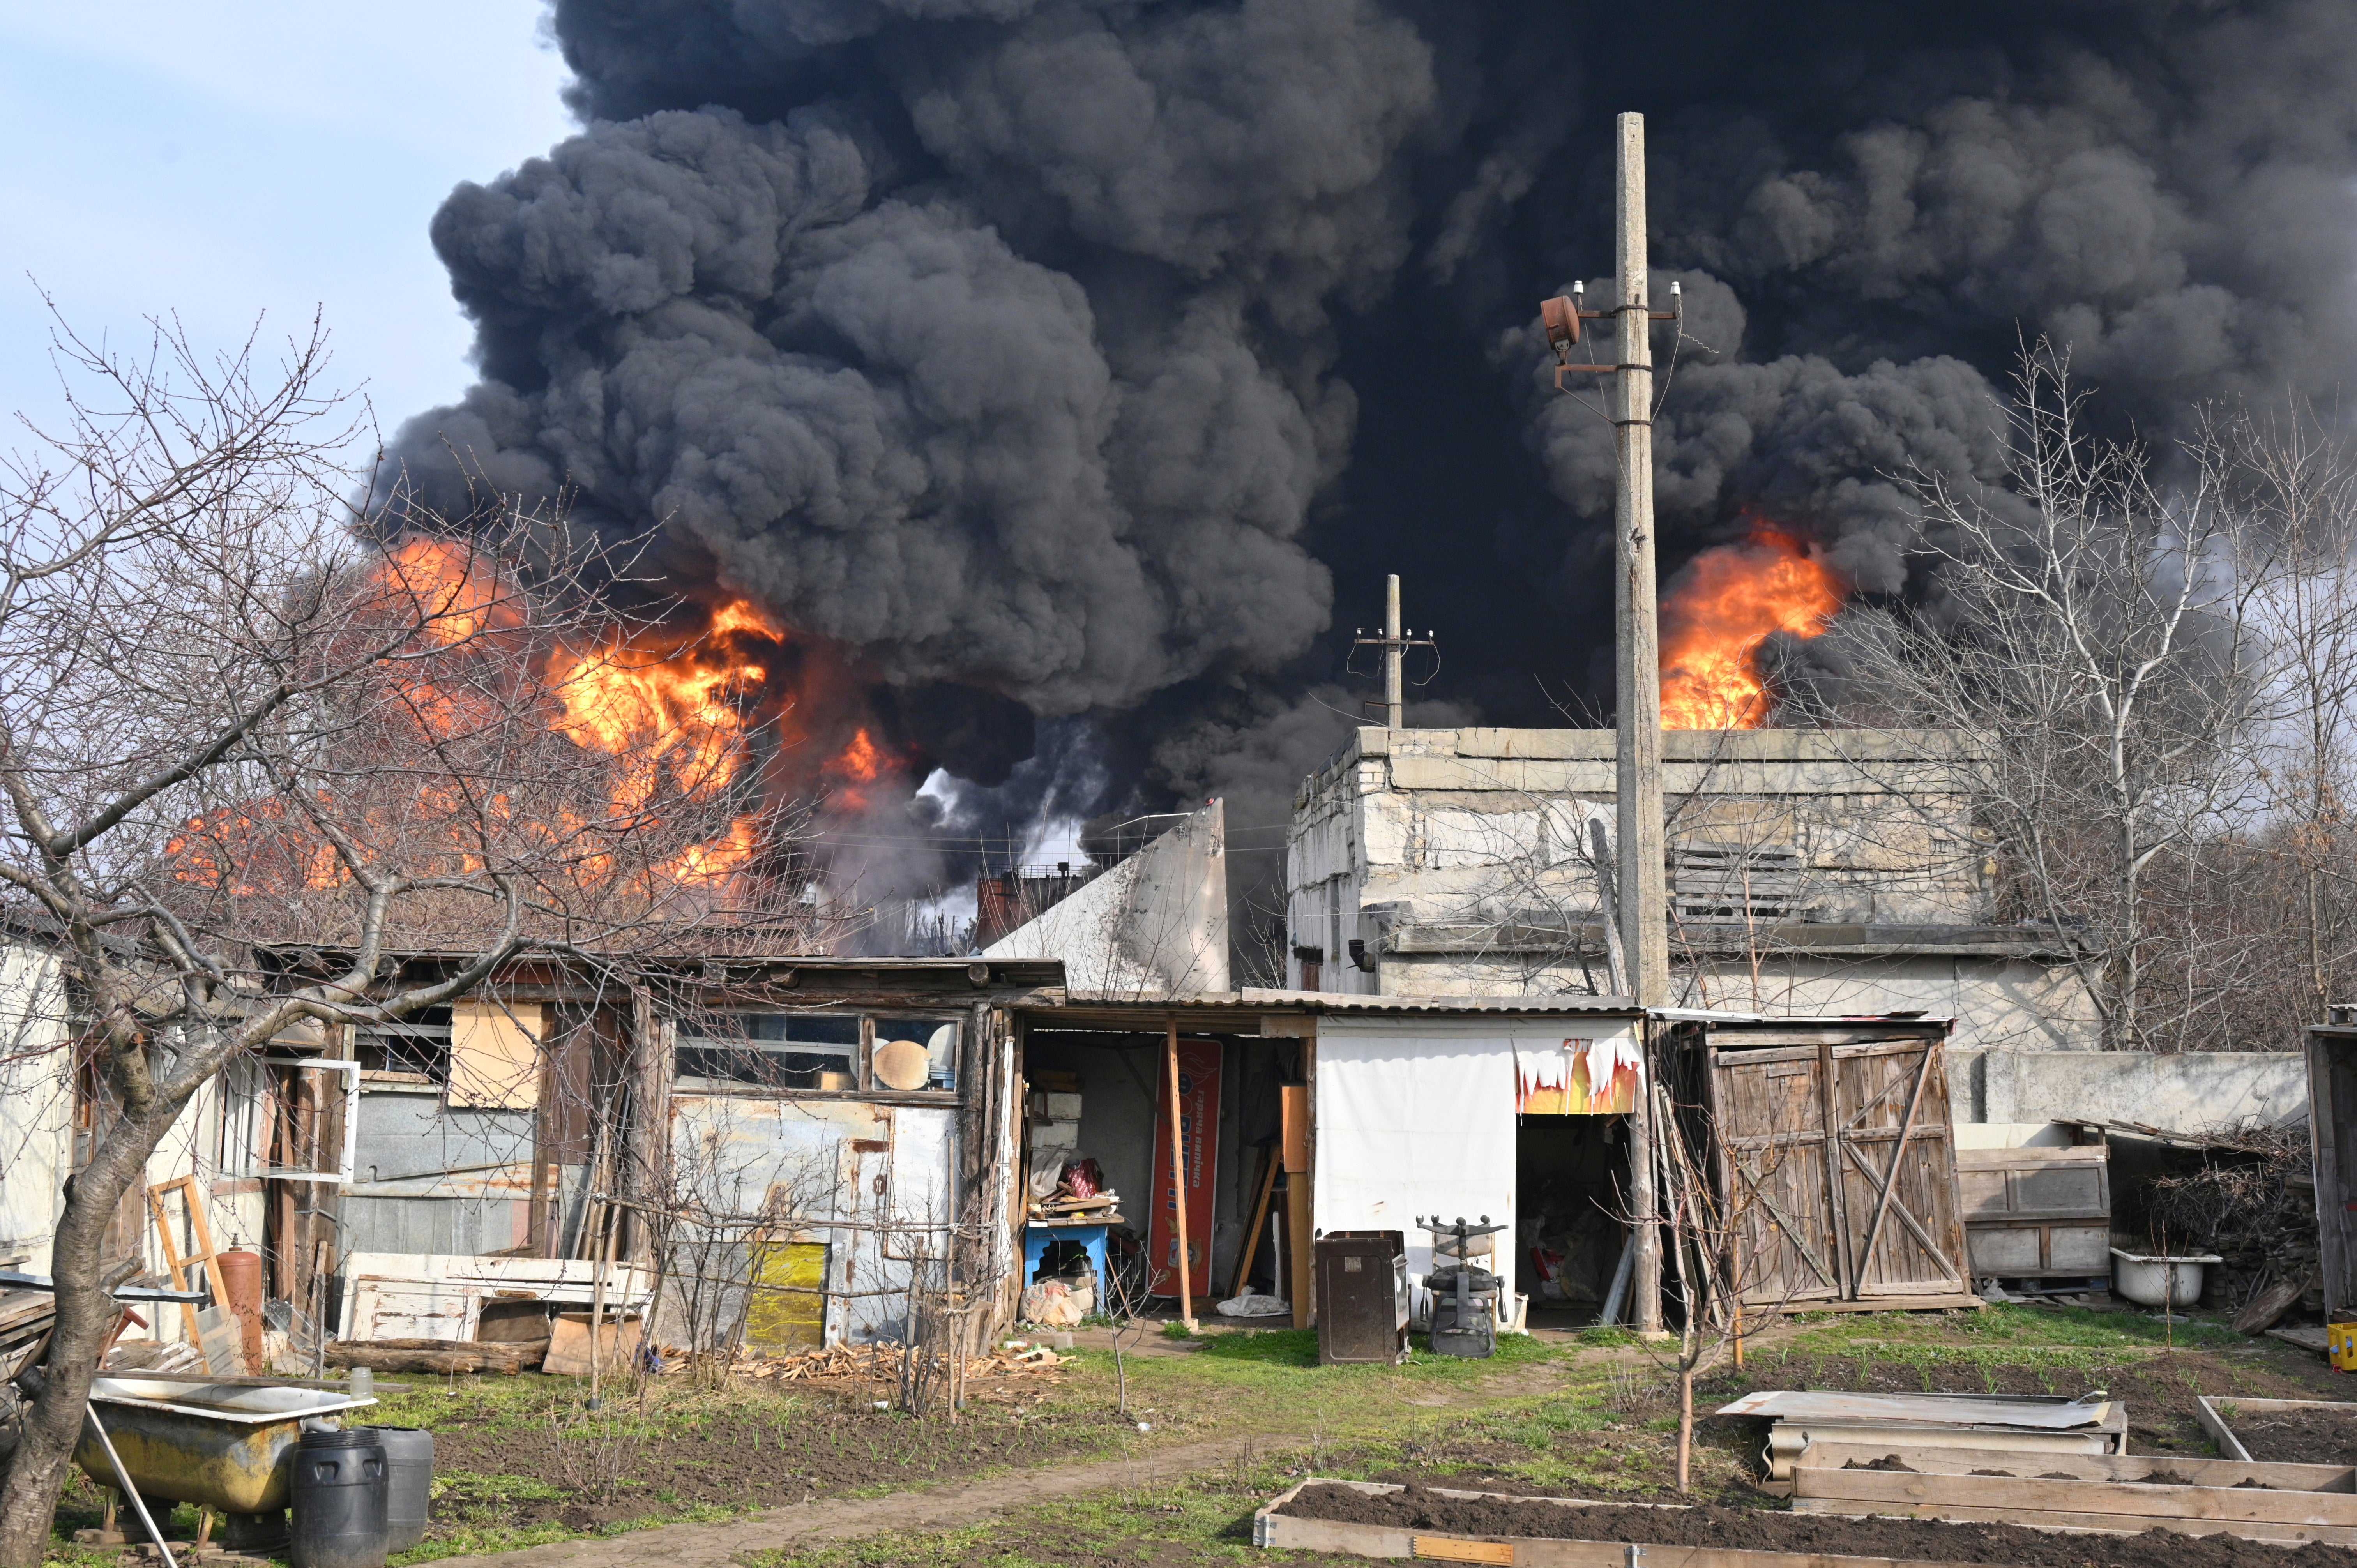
(1256, 998)
(1345, 1002)
(1713, 1015)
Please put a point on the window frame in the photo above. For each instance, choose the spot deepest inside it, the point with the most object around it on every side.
(862, 1053)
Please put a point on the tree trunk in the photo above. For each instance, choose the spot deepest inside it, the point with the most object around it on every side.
(1685, 1425)
(86, 1315)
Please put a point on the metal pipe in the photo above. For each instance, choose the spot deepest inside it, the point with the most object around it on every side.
(122, 1479)
(1621, 1272)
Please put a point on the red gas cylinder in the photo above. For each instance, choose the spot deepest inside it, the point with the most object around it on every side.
(241, 1277)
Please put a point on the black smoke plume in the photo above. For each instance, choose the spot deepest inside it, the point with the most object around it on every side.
(1096, 359)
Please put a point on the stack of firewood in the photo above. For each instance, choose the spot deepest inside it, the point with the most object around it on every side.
(882, 1363)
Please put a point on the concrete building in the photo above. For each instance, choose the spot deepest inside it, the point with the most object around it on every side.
(1155, 923)
(1810, 872)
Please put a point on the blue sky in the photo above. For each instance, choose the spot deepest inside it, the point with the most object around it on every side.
(225, 161)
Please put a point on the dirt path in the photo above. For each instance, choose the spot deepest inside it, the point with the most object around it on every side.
(838, 1519)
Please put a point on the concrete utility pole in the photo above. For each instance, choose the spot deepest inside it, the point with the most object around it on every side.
(1393, 704)
(1395, 644)
(1637, 684)
(1639, 857)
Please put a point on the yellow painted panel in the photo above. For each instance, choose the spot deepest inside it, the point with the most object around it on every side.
(495, 1055)
(783, 1319)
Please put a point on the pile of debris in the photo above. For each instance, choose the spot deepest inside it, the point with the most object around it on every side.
(1077, 1198)
(26, 1318)
(2252, 1200)
(878, 1362)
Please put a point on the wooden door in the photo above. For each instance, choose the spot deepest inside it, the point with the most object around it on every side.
(1903, 1227)
(1770, 1113)
(2332, 1146)
(1835, 1159)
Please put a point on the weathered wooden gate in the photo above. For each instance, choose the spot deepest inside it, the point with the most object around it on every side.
(1834, 1160)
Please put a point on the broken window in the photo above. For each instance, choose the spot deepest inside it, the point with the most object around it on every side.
(418, 1046)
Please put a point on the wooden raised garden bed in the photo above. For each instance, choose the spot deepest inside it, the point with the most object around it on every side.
(2117, 1493)
(1273, 1527)
(2219, 1416)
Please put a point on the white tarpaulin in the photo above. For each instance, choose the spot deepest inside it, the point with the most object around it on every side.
(1411, 1122)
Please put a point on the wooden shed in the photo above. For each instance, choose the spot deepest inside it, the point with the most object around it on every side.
(2332, 1146)
(1831, 1142)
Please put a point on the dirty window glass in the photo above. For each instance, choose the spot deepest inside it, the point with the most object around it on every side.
(772, 1051)
(938, 1038)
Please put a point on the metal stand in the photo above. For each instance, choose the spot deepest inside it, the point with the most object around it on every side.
(1464, 1318)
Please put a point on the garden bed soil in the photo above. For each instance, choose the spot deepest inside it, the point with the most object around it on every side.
(750, 1458)
(2296, 1438)
(1763, 1530)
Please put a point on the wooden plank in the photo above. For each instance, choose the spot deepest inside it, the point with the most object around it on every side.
(2332, 1479)
(2215, 1426)
(2151, 1502)
(1272, 1528)
(2030, 1412)
(1958, 1301)
(1456, 1549)
(2095, 1523)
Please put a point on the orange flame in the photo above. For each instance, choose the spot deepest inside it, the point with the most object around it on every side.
(1724, 604)
(682, 711)
(677, 711)
(861, 762)
(456, 596)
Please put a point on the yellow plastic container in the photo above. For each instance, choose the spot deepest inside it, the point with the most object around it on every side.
(2340, 1346)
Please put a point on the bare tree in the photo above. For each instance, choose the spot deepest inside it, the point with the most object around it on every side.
(246, 701)
(2097, 639)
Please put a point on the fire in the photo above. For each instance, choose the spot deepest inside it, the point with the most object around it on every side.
(708, 720)
(1721, 607)
(861, 762)
(456, 596)
(680, 710)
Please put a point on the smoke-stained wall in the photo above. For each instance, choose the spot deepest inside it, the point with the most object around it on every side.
(1089, 363)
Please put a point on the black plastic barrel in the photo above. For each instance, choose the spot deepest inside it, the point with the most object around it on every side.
(340, 1497)
(408, 1482)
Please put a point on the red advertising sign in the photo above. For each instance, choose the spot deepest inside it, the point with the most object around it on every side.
(1199, 1129)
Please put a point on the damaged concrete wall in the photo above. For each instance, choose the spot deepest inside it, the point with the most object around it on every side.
(2198, 1092)
(1811, 872)
(1155, 924)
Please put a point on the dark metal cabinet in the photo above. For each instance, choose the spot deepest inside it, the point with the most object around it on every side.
(1362, 1296)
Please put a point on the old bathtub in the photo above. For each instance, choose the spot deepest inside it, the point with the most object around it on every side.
(218, 1445)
